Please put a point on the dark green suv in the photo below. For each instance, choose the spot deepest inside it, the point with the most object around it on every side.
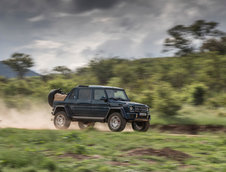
(90, 104)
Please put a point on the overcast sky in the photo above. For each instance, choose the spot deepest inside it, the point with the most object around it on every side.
(71, 32)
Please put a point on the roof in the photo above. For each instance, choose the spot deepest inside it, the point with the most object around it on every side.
(7, 72)
(99, 86)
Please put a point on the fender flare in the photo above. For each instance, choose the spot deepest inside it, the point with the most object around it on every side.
(122, 112)
(65, 108)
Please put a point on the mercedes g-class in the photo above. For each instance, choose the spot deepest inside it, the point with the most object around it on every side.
(90, 104)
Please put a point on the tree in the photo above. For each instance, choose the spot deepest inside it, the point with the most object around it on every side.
(103, 68)
(20, 63)
(62, 69)
(217, 45)
(183, 39)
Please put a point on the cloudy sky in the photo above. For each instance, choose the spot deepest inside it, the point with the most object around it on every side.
(71, 32)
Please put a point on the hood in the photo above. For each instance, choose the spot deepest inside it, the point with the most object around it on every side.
(124, 103)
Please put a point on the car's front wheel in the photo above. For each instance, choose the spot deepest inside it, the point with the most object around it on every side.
(140, 125)
(84, 125)
(61, 121)
(116, 122)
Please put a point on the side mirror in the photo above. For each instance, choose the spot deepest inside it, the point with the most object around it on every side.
(103, 98)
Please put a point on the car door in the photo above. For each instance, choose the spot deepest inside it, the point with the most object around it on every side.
(100, 106)
(83, 106)
(71, 102)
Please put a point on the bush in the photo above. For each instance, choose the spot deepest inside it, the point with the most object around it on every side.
(197, 93)
(16, 87)
(166, 100)
(217, 101)
(221, 114)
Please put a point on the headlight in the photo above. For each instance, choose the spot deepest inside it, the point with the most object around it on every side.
(131, 108)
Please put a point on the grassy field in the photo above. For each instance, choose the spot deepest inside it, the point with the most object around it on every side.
(91, 150)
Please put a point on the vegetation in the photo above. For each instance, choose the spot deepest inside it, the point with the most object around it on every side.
(20, 63)
(62, 69)
(86, 151)
(183, 39)
(215, 45)
(165, 84)
(190, 89)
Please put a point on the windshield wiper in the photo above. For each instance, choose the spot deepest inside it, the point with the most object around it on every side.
(119, 98)
(112, 98)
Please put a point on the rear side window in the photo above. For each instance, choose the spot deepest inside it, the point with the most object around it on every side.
(98, 94)
(72, 94)
(84, 94)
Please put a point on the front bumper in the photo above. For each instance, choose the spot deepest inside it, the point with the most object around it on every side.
(138, 116)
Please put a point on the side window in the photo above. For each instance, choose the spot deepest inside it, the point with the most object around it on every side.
(72, 94)
(98, 94)
(84, 94)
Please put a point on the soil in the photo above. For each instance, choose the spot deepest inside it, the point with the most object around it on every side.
(166, 152)
(117, 163)
(189, 129)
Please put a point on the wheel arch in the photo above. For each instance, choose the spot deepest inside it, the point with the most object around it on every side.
(112, 110)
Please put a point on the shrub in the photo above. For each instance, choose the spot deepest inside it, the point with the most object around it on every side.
(197, 93)
(221, 114)
(212, 103)
(16, 87)
(217, 101)
(166, 100)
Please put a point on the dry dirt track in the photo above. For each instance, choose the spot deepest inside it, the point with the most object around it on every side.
(34, 123)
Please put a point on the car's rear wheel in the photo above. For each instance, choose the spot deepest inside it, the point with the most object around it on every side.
(140, 125)
(61, 121)
(84, 125)
(116, 122)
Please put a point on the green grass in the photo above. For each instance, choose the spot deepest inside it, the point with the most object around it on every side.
(84, 151)
(199, 115)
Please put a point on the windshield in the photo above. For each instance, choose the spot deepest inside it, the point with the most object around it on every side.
(116, 94)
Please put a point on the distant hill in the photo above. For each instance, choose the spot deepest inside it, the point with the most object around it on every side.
(7, 72)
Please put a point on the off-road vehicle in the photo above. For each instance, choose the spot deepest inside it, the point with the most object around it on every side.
(90, 104)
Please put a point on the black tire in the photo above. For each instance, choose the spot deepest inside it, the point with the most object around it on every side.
(61, 121)
(84, 125)
(140, 125)
(51, 96)
(116, 122)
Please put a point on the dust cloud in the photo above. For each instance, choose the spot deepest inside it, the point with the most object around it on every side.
(38, 116)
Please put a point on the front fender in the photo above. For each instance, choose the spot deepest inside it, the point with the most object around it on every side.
(119, 109)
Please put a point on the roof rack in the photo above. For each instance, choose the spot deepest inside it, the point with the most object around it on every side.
(82, 86)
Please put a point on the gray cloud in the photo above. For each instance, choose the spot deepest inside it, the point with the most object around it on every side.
(47, 6)
(70, 32)
(86, 5)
